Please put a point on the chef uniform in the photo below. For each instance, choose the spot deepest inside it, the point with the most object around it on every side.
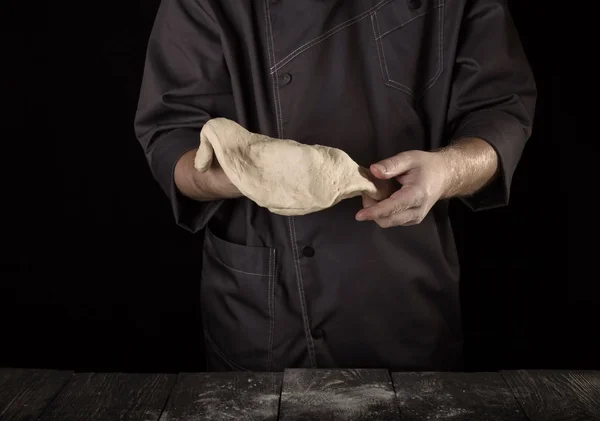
(373, 78)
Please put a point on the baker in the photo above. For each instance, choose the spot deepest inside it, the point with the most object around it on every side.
(434, 97)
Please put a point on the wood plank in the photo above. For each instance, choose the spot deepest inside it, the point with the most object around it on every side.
(455, 396)
(224, 396)
(25, 393)
(325, 394)
(111, 396)
(563, 395)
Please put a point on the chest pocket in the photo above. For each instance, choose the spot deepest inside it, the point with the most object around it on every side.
(409, 39)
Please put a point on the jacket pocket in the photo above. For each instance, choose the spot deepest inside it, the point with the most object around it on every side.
(237, 301)
(409, 38)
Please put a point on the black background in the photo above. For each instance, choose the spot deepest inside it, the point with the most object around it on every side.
(96, 276)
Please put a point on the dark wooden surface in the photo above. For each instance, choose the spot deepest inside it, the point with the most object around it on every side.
(298, 394)
(557, 395)
(456, 396)
(224, 396)
(111, 396)
(24, 394)
(337, 395)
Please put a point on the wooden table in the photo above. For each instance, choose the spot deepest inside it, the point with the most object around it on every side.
(298, 394)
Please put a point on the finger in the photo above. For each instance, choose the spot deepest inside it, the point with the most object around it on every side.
(402, 200)
(383, 189)
(407, 218)
(368, 201)
(393, 166)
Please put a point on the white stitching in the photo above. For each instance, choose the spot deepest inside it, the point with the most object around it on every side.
(278, 114)
(409, 21)
(212, 255)
(278, 105)
(300, 282)
(377, 46)
(271, 55)
(434, 78)
(271, 306)
(441, 46)
(383, 62)
(323, 37)
(208, 339)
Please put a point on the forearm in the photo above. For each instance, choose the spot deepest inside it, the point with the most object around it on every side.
(203, 186)
(471, 165)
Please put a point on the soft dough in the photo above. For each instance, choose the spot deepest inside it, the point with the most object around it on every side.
(282, 175)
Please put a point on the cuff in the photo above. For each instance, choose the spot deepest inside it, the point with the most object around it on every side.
(166, 151)
(508, 137)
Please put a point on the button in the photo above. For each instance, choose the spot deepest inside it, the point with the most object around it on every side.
(414, 4)
(285, 79)
(308, 251)
(318, 333)
(275, 1)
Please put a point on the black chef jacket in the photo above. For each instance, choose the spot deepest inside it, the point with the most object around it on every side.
(373, 78)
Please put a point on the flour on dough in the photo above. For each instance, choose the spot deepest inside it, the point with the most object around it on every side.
(282, 175)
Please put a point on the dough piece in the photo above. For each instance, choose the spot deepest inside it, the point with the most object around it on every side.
(282, 175)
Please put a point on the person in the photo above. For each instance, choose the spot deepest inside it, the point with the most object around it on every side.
(436, 97)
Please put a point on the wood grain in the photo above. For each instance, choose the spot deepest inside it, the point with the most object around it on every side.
(455, 396)
(24, 394)
(352, 395)
(550, 395)
(111, 397)
(224, 396)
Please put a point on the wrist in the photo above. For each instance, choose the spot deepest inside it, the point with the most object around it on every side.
(469, 165)
(185, 174)
(449, 174)
(221, 185)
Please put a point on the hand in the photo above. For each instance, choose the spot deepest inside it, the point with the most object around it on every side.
(423, 177)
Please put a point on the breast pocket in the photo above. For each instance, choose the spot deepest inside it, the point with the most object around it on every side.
(409, 40)
(237, 299)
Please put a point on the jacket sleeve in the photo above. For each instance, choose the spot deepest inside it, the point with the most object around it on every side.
(493, 93)
(185, 82)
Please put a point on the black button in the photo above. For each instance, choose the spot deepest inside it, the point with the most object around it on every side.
(318, 333)
(285, 79)
(308, 251)
(414, 4)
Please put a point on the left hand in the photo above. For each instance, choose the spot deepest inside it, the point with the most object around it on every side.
(423, 176)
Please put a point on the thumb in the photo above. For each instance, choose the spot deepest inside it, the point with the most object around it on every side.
(393, 166)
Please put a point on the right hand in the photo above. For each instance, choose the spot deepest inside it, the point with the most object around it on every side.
(385, 188)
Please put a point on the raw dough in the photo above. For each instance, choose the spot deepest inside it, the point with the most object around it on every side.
(282, 175)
